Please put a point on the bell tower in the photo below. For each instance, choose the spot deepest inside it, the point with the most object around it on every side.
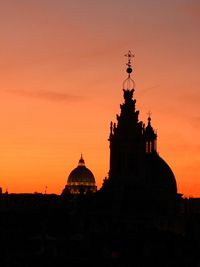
(139, 181)
(126, 136)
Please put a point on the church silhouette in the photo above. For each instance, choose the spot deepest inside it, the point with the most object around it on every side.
(139, 180)
(137, 218)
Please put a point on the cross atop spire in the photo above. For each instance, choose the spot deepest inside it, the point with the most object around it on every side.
(129, 84)
(129, 55)
(149, 114)
(149, 117)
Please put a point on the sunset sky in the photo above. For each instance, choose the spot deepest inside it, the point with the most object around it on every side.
(62, 67)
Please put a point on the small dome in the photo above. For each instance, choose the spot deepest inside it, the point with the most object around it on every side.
(81, 175)
(159, 175)
(81, 179)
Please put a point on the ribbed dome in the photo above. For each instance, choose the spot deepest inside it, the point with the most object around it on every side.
(81, 175)
(159, 176)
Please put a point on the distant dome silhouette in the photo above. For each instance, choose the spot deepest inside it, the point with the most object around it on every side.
(80, 180)
(81, 175)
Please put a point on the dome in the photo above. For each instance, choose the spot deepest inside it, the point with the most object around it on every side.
(81, 179)
(81, 175)
(159, 175)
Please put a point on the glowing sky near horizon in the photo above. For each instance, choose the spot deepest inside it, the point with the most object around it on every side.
(62, 66)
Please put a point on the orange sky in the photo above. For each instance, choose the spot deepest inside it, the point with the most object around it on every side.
(62, 67)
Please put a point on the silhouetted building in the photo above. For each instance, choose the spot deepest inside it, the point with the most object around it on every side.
(136, 218)
(139, 181)
(80, 181)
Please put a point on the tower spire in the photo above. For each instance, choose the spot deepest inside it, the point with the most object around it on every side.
(129, 84)
(81, 161)
(150, 137)
(129, 55)
(149, 118)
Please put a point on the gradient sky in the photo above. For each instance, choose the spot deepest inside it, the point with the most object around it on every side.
(62, 66)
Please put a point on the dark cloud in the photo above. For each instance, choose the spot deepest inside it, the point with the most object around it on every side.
(45, 94)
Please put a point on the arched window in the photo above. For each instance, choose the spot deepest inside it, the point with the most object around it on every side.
(147, 147)
(150, 147)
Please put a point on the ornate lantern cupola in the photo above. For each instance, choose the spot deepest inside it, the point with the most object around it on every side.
(81, 161)
(127, 124)
(150, 138)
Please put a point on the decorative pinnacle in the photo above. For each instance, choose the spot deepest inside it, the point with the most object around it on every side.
(81, 161)
(149, 114)
(129, 84)
(129, 55)
(149, 117)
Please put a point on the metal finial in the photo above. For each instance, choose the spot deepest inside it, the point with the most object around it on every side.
(129, 55)
(149, 114)
(149, 117)
(129, 84)
(81, 161)
(111, 127)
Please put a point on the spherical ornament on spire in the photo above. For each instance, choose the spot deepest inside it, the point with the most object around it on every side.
(129, 70)
(129, 83)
